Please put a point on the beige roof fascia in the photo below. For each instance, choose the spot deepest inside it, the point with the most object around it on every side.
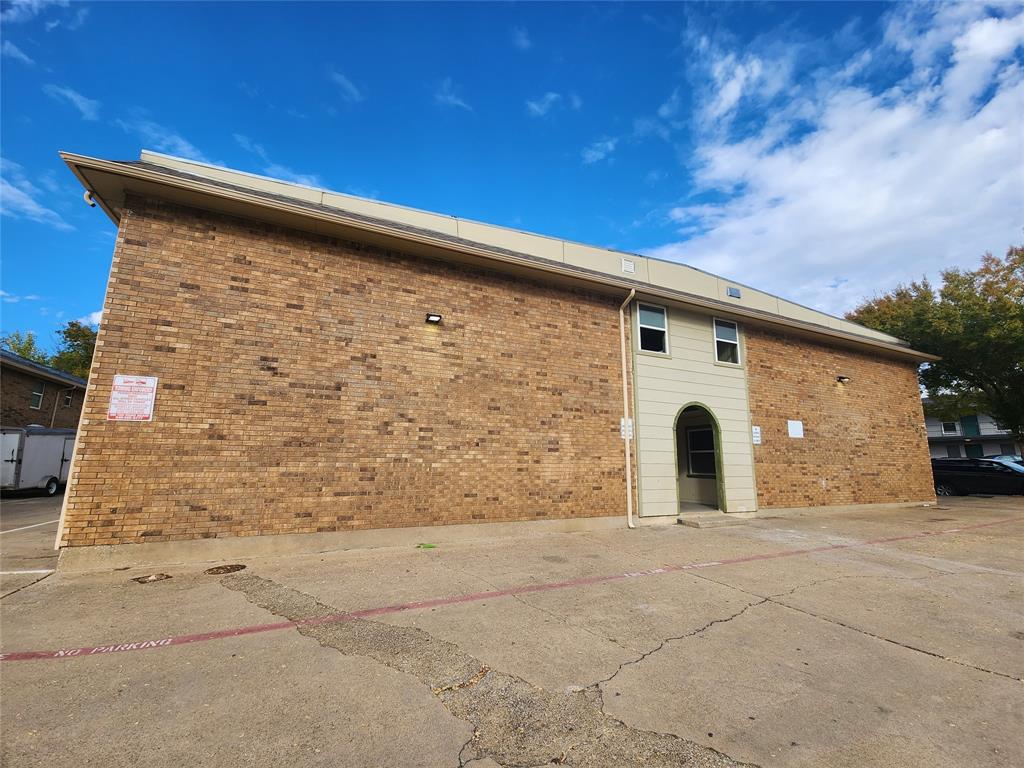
(281, 202)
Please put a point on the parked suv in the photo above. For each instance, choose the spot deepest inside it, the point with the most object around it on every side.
(956, 476)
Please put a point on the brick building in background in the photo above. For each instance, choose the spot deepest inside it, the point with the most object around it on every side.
(325, 363)
(33, 393)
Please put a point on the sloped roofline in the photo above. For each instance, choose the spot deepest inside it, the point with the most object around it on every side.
(8, 358)
(107, 181)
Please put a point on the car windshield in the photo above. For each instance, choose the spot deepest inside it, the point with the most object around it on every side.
(1016, 466)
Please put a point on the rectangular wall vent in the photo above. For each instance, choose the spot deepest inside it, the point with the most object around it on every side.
(732, 292)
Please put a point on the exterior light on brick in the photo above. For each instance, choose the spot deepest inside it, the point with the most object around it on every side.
(843, 379)
(433, 318)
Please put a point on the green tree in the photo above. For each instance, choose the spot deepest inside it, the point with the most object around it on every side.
(975, 322)
(74, 351)
(25, 345)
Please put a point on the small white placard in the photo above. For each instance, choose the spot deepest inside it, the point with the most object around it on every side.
(132, 398)
(755, 433)
(626, 428)
(796, 428)
(628, 266)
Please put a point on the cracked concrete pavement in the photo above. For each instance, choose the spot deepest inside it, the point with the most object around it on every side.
(907, 653)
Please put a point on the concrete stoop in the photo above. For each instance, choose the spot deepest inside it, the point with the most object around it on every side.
(710, 518)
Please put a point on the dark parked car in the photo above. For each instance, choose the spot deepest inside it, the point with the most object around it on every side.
(956, 476)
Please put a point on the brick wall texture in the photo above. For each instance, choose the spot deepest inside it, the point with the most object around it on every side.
(864, 442)
(300, 389)
(16, 403)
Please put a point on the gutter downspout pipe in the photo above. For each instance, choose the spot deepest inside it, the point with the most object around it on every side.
(626, 431)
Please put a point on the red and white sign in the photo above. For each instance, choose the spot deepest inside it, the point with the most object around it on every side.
(132, 398)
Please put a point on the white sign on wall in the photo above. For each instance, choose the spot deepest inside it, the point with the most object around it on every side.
(755, 433)
(132, 398)
(796, 428)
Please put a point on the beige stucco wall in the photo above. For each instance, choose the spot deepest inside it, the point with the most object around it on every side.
(664, 385)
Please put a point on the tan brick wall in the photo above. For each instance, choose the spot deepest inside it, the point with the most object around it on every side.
(16, 389)
(864, 442)
(300, 390)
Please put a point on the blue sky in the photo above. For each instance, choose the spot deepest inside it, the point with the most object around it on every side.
(819, 151)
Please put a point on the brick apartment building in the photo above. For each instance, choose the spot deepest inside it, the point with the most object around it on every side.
(326, 363)
(33, 393)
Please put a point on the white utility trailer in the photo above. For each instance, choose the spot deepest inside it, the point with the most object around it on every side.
(35, 457)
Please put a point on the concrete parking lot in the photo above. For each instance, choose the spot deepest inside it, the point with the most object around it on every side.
(888, 637)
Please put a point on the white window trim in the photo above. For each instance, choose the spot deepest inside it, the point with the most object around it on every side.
(42, 396)
(689, 452)
(664, 311)
(956, 428)
(739, 347)
(69, 399)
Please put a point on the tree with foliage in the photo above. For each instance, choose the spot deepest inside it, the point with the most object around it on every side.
(975, 323)
(74, 353)
(25, 345)
(74, 350)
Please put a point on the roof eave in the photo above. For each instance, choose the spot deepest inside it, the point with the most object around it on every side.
(425, 237)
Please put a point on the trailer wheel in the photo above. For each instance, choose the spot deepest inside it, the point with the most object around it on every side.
(51, 487)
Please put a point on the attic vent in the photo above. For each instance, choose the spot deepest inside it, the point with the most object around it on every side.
(732, 292)
(628, 266)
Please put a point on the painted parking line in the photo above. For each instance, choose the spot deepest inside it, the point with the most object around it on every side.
(15, 573)
(167, 642)
(26, 527)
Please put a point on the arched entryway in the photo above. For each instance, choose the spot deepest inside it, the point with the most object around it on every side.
(698, 460)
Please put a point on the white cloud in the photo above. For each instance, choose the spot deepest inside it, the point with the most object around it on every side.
(447, 95)
(285, 173)
(670, 108)
(19, 198)
(88, 108)
(543, 105)
(575, 102)
(11, 51)
(276, 170)
(25, 10)
(161, 138)
(250, 146)
(851, 187)
(599, 150)
(348, 90)
(521, 38)
(93, 318)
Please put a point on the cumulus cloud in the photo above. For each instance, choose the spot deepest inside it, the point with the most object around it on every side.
(346, 88)
(447, 95)
(160, 137)
(11, 51)
(850, 183)
(276, 170)
(20, 198)
(93, 318)
(521, 38)
(17, 11)
(88, 108)
(543, 105)
(599, 150)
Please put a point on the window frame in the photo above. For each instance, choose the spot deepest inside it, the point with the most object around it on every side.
(641, 325)
(69, 398)
(41, 393)
(690, 451)
(956, 427)
(714, 343)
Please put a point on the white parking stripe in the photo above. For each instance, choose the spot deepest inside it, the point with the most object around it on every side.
(15, 573)
(26, 527)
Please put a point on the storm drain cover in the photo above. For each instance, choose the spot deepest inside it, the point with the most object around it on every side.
(217, 570)
(151, 578)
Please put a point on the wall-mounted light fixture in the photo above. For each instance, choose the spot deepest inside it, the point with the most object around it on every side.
(843, 379)
(433, 319)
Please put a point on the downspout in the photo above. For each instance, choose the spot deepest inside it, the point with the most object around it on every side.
(626, 436)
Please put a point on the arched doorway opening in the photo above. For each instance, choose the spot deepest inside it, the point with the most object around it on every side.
(698, 460)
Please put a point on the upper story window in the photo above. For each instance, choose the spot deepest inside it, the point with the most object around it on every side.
(949, 428)
(653, 328)
(69, 398)
(38, 390)
(727, 342)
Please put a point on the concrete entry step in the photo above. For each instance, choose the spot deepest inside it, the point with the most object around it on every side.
(710, 518)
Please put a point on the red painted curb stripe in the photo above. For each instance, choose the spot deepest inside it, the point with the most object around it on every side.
(366, 613)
